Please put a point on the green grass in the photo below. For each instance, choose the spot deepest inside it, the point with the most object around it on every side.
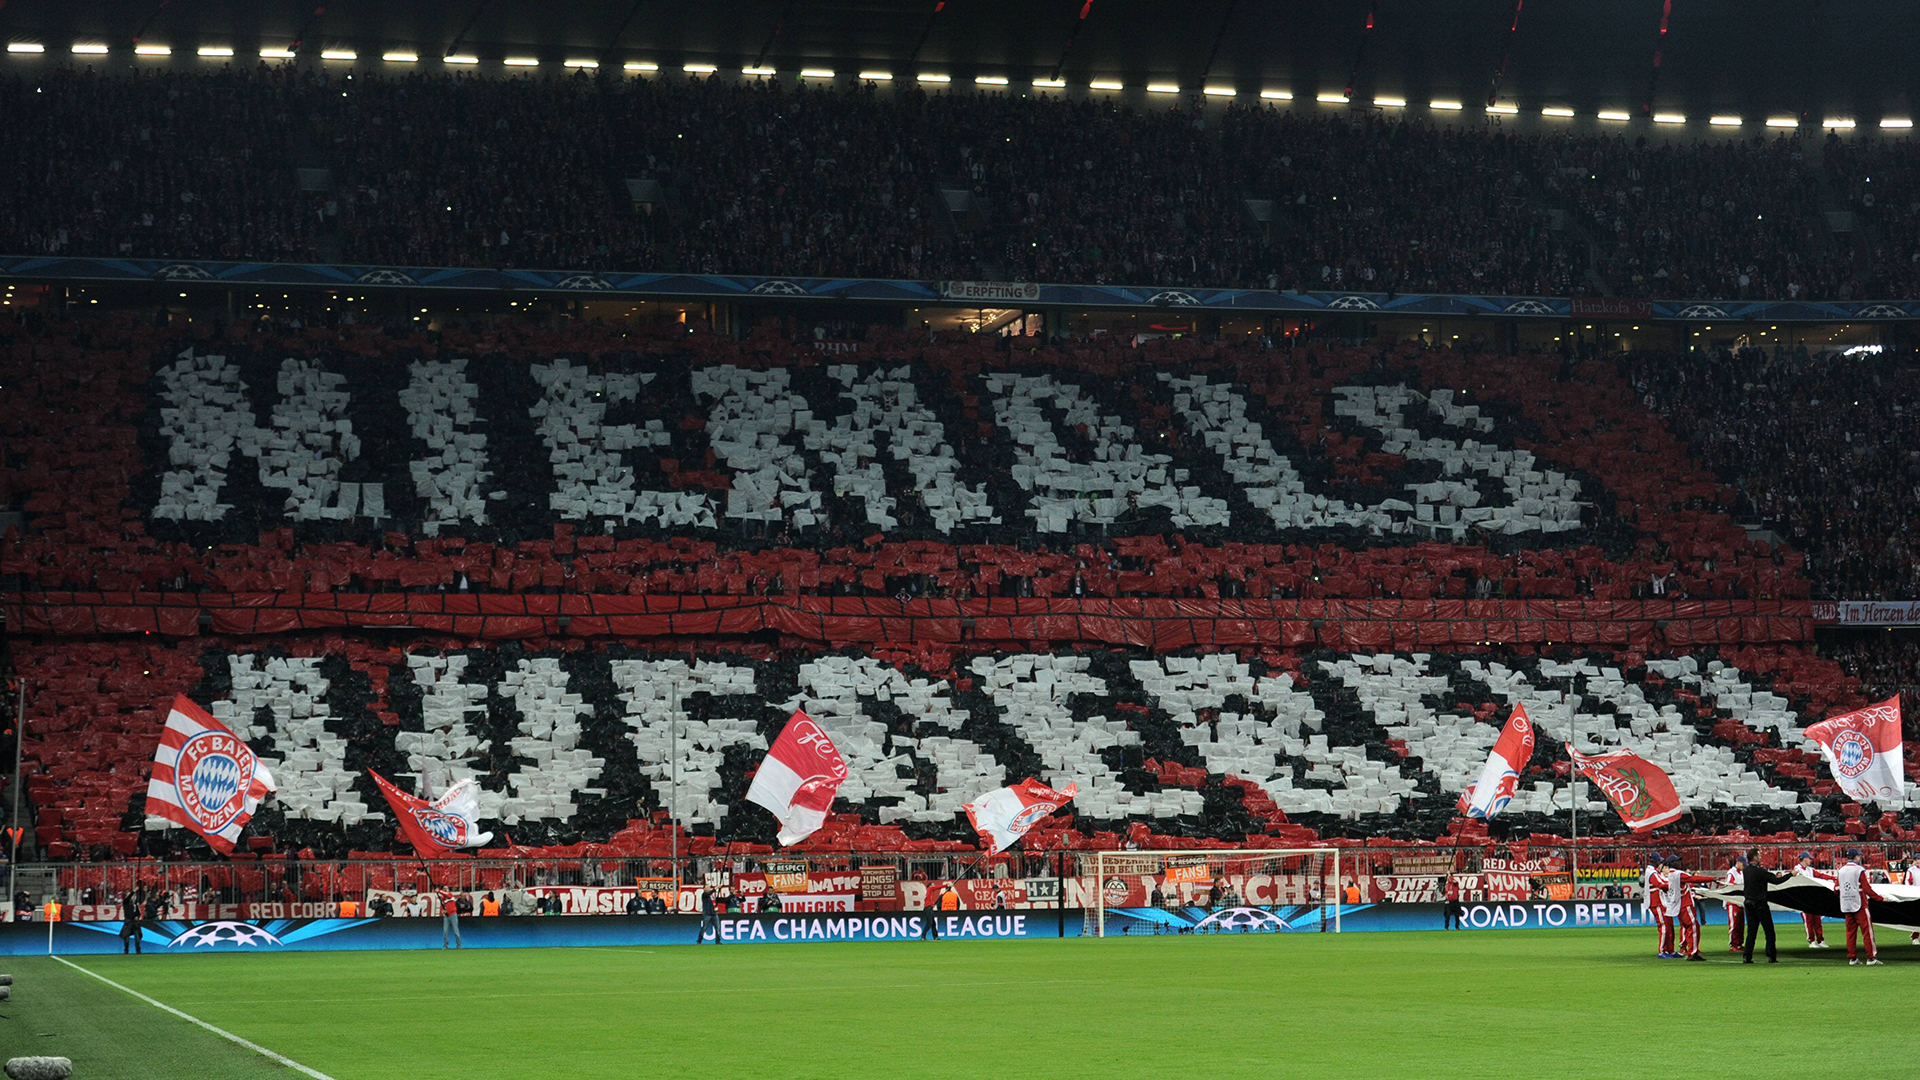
(1427, 1005)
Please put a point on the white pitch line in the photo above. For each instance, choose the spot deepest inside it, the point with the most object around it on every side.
(228, 1035)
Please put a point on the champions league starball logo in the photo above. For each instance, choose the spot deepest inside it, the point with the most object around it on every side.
(1242, 920)
(212, 776)
(215, 935)
(1852, 753)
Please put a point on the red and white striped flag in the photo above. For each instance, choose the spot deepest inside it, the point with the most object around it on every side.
(205, 777)
(1863, 749)
(1003, 815)
(438, 827)
(798, 779)
(1500, 777)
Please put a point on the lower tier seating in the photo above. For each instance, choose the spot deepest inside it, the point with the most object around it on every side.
(574, 743)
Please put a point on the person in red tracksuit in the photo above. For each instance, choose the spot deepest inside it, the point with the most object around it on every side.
(1816, 928)
(1850, 880)
(1736, 914)
(1656, 908)
(1680, 906)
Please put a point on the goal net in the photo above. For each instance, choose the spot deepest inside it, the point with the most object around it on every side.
(1290, 890)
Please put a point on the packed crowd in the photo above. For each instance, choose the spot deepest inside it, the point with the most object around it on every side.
(766, 178)
(1816, 448)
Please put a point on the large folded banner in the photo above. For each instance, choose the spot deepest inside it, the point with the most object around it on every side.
(798, 779)
(1640, 790)
(1500, 777)
(205, 777)
(441, 826)
(1003, 815)
(1864, 752)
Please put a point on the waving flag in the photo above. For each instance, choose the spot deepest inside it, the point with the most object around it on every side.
(1637, 788)
(1004, 815)
(798, 779)
(440, 826)
(1500, 777)
(205, 777)
(1864, 753)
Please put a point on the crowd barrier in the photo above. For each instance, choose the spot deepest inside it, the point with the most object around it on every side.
(836, 621)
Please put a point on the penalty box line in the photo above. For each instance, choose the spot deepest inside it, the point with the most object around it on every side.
(279, 1059)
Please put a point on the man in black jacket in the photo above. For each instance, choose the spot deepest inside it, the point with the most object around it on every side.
(1754, 881)
(709, 918)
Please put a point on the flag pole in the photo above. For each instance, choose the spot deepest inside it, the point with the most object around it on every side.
(19, 736)
(1573, 800)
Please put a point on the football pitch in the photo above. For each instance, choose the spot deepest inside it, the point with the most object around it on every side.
(1466, 1004)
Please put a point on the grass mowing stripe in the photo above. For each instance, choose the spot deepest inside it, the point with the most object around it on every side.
(228, 1035)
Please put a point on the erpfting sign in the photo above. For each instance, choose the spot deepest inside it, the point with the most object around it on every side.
(990, 291)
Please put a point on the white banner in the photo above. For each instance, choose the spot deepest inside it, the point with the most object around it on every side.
(1868, 612)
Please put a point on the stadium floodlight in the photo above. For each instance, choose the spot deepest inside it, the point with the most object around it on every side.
(521, 61)
(1104, 84)
(265, 54)
(1889, 123)
(586, 64)
(1163, 88)
(1560, 111)
(640, 65)
(876, 76)
(1613, 115)
(1331, 98)
(1502, 110)
(215, 52)
(26, 47)
(1276, 95)
(1724, 121)
(1049, 84)
(990, 80)
(758, 71)
(816, 73)
(698, 69)
(153, 50)
(400, 57)
(1390, 102)
(461, 59)
(1445, 106)
(1783, 122)
(339, 54)
(1835, 123)
(1219, 91)
(89, 48)
(1669, 118)
(931, 77)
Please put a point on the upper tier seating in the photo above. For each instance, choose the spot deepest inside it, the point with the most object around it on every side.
(435, 170)
(520, 460)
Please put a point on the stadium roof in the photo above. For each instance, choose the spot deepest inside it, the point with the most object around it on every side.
(1751, 57)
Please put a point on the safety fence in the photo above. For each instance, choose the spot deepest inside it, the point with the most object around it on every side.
(1371, 873)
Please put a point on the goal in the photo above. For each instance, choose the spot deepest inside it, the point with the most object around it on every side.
(1285, 890)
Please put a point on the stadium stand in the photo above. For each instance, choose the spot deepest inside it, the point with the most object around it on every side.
(457, 170)
(582, 540)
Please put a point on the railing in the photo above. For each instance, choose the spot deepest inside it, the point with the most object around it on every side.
(1599, 869)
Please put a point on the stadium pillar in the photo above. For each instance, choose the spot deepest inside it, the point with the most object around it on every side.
(1573, 802)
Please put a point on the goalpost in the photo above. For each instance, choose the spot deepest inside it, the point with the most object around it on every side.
(1276, 890)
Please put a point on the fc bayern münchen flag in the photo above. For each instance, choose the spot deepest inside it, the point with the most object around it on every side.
(1864, 752)
(1500, 777)
(1640, 790)
(205, 777)
(798, 779)
(438, 827)
(1004, 815)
